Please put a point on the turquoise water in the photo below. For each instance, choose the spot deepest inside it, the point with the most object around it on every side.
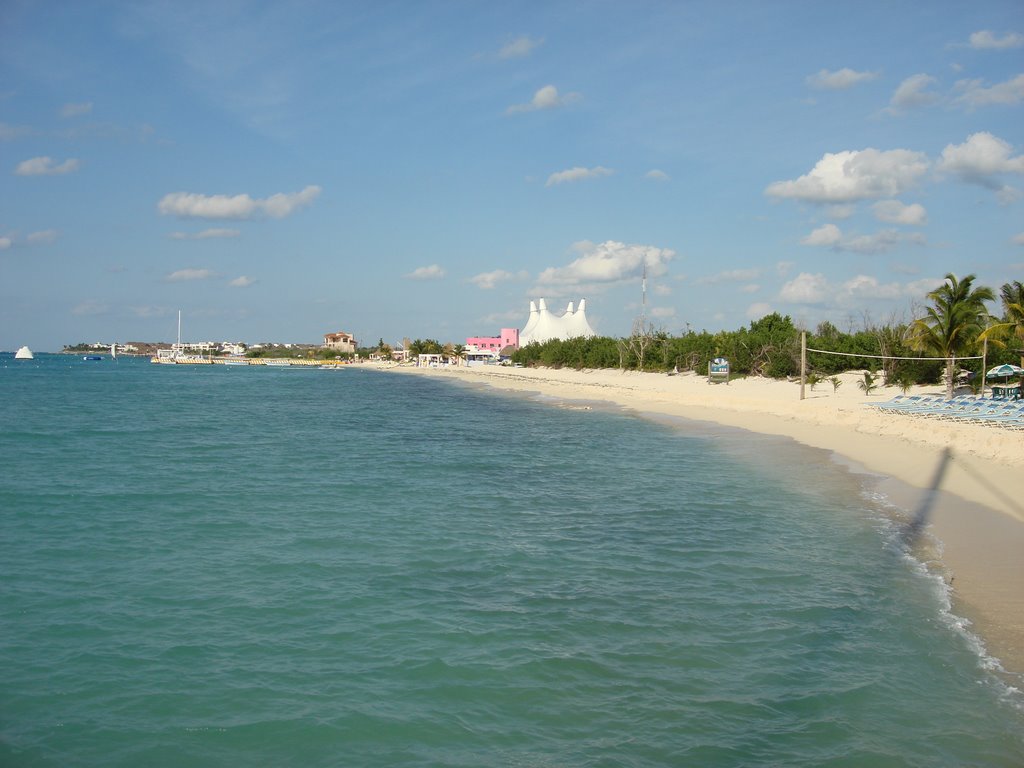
(209, 566)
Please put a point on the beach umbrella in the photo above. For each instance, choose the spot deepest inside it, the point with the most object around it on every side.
(1006, 371)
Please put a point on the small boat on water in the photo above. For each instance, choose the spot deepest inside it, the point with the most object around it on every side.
(92, 357)
(24, 353)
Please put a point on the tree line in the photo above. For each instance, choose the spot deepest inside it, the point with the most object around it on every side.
(956, 323)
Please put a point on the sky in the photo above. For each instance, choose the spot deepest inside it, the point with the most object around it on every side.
(280, 170)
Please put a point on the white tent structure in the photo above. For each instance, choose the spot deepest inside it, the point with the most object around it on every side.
(544, 326)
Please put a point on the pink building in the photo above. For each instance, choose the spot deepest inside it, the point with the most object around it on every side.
(509, 338)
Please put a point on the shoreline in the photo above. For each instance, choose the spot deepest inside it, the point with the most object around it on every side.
(977, 515)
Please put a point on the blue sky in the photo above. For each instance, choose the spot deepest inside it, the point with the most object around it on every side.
(280, 170)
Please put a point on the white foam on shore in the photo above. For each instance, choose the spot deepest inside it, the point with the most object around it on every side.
(924, 559)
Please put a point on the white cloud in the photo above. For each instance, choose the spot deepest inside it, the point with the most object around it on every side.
(487, 280)
(11, 132)
(206, 234)
(545, 98)
(857, 290)
(656, 175)
(433, 272)
(805, 288)
(913, 92)
(986, 40)
(1007, 194)
(606, 263)
(827, 234)
(193, 205)
(868, 287)
(45, 166)
(973, 93)
(895, 212)
(241, 282)
(830, 236)
(43, 237)
(577, 174)
(1018, 239)
(76, 110)
(521, 46)
(980, 160)
(663, 312)
(853, 175)
(879, 242)
(839, 80)
(5, 243)
(183, 275)
(758, 310)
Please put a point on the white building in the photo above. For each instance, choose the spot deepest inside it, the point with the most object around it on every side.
(341, 341)
(544, 326)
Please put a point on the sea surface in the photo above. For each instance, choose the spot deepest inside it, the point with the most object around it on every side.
(215, 566)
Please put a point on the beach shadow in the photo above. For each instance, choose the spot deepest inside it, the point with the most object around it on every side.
(912, 530)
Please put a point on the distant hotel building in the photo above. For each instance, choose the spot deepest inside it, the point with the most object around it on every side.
(341, 341)
(509, 338)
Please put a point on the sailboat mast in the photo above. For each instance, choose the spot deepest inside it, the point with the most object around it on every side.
(644, 291)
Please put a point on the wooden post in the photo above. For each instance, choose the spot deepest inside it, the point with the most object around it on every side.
(803, 362)
(984, 364)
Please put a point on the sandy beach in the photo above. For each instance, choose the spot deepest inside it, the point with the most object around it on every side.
(977, 519)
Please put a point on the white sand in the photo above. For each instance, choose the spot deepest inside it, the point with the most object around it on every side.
(979, 519)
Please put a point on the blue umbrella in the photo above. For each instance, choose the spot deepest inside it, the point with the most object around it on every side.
(1006, 371)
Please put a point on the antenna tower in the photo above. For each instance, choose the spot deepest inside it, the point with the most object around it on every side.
(643, 311)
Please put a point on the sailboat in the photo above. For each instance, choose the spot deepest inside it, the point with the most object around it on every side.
(24, 353)
(170, 356)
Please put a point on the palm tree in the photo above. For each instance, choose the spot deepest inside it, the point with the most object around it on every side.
(952, 325)
(448, 350)
(1012, 326)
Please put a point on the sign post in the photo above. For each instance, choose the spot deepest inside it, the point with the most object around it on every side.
(718, 370)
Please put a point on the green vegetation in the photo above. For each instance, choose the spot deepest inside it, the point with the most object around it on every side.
(953, 325)
(427, 347)
(869, 383)
(279, 351)
(80, 347)
(1011, 327)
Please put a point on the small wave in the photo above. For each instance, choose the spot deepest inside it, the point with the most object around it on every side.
(923, 558)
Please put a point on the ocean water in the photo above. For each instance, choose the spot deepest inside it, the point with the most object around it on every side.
(210, 566)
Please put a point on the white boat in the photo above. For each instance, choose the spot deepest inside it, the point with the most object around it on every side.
(165, 357)
(170, 356)
(24, 353)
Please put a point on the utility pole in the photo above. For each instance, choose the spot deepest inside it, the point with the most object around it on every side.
(643, 302)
